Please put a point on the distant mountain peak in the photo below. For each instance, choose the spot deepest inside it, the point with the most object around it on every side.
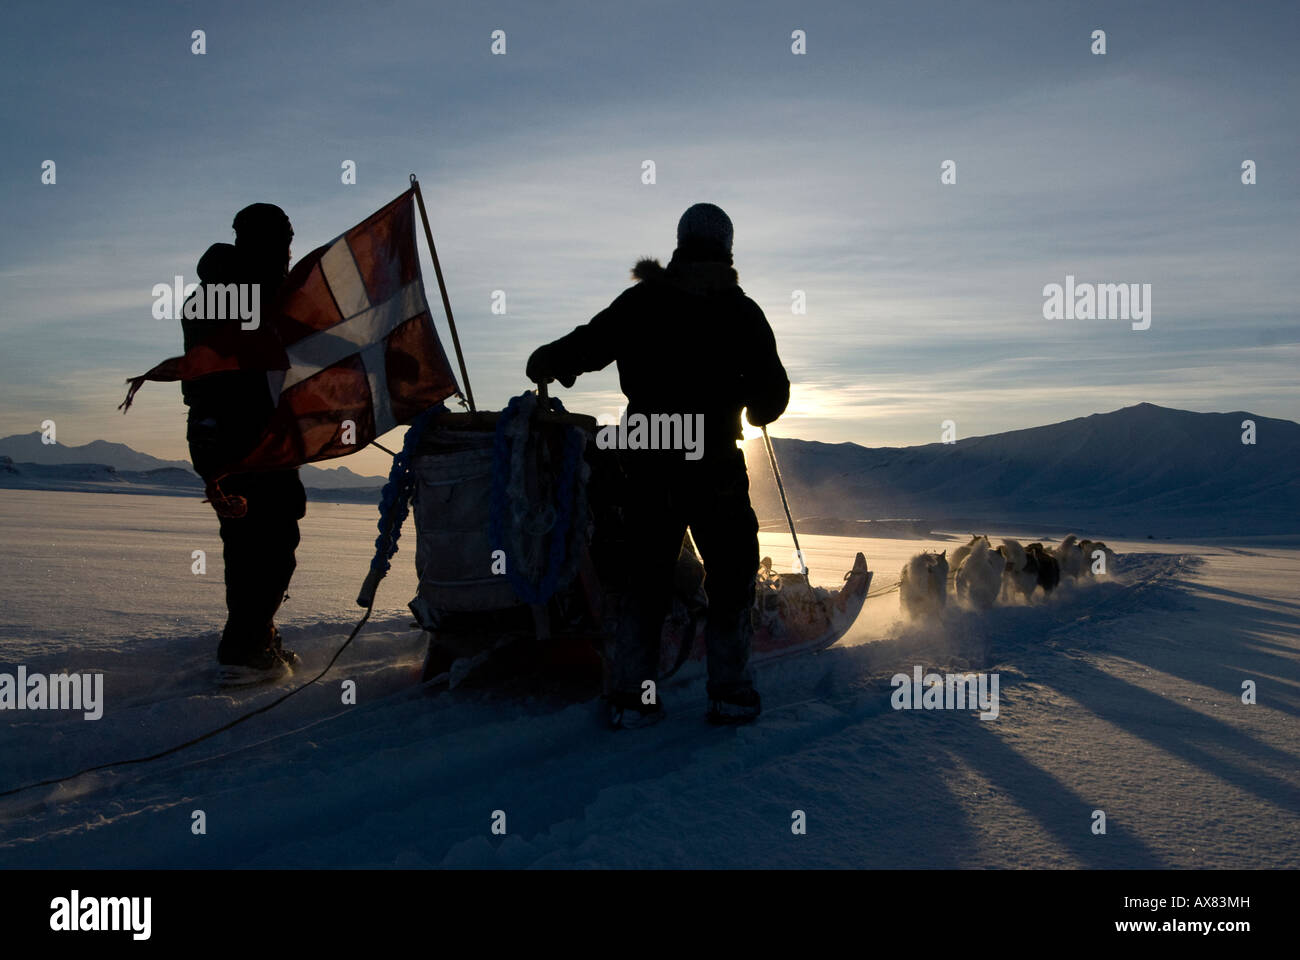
(30, 448)
(1145, 463)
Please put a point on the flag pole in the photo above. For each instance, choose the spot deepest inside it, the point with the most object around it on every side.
(442, 288)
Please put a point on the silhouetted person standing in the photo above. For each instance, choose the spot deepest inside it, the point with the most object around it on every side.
(687, 341)
(228, 412)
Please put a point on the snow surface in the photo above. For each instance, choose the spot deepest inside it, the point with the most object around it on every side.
(1121, 695)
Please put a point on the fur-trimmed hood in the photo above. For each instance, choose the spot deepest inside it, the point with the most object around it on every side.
(704, 277)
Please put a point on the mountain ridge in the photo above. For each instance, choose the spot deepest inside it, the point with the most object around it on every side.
(1162, 465)
(1143, 469)
(29, 448)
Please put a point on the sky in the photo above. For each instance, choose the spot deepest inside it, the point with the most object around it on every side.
(924, 299)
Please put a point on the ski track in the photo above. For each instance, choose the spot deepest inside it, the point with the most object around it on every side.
(412, 779)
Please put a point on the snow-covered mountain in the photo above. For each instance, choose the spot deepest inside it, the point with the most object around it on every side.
(1140, 470)
(336, 478)
(28, 448)
(44, 476)
(37, 465)
(1144, 469)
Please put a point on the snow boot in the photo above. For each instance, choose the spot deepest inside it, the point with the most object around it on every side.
(290, 658)
(741, 706)
(267, 665)
(625, 711)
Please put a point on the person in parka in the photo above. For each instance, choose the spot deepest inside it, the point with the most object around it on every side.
(687, 340)
(228, 412)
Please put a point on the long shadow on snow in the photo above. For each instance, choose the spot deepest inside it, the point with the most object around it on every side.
(1245, 653)
(1218, 748)
(432, 780)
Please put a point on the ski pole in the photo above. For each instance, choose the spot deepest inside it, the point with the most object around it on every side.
(776, 472)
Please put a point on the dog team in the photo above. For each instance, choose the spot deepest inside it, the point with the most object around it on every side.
(984, 575)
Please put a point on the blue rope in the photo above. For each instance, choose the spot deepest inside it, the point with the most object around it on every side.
(500, 472)
(395, 500)
(502, 449)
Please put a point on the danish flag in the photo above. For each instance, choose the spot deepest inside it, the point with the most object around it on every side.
(350, 341)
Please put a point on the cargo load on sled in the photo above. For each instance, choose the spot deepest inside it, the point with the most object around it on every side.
(519, 554)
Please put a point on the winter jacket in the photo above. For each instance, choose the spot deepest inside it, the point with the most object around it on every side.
(686, 340)
(228, 410)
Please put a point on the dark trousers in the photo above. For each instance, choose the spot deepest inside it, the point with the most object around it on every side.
(665, 495)
(258, 549)
(259, 557)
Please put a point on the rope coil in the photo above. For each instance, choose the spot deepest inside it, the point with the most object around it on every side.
(512, 514)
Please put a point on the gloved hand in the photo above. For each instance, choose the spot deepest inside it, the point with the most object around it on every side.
(541, 368)
(765, 401)
(228, 507)
(759, 416)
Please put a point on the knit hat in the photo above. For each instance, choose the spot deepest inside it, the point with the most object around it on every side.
(262, 222)
(705, 225)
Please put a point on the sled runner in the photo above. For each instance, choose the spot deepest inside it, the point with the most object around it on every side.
(790, 617)
(519, 558)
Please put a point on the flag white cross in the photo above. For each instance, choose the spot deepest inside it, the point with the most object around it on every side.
(363, 330)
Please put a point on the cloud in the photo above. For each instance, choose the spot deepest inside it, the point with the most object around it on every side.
(921, 297)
